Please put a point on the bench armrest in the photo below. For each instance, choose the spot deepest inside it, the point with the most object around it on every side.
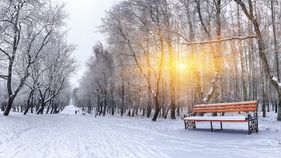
(252, 115)
(188, 115)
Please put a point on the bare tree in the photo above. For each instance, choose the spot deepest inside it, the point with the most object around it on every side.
(27, 32)
(249, 12)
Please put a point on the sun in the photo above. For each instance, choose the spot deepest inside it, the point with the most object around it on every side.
(182, 66)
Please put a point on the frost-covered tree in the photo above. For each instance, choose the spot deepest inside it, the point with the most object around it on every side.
(26, 27)
(36, 61)
(98, 82)
(169, 55)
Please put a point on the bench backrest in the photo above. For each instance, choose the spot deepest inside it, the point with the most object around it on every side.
(248, 106)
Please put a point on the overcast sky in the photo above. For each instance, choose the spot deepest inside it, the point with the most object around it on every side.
(84, 18)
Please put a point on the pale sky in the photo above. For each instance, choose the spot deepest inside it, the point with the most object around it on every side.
(84, 16)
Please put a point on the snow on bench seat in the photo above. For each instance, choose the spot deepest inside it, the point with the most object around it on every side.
(237, 118)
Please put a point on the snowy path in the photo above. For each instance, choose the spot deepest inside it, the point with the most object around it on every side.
(77, 136)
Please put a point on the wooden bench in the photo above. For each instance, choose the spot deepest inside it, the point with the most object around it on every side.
(247, 113)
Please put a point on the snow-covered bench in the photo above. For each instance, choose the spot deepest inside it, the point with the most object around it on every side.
(247, 112)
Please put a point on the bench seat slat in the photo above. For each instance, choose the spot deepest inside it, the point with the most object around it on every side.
(223, 110)
(226, 104)
(224, 107)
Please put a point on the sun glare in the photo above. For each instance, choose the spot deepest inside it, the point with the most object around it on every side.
(182, 66)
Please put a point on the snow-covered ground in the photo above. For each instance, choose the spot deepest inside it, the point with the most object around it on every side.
(67, 135)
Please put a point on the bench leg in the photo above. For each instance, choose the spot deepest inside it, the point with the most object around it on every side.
(211, 123)
(253, 124)
(190, 124)
(257, 122)
(221, 125)
(249, 128)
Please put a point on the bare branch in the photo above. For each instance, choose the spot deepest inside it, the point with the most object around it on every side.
(3, 51)
(5, 77)
(220, 40)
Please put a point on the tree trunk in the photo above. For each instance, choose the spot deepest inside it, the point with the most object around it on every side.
(172, 73)
(148, 109)
(41, 110)
(105, 104)
(215, 93)
(48, 108)
(263, 95)
(159, 78)
(9, 106)
(242, 59)
(123, 97)
(275, 42)
(278, 108)
(157, 109)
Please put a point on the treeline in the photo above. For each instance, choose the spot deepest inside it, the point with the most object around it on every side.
(164, 56)
(35, 58)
